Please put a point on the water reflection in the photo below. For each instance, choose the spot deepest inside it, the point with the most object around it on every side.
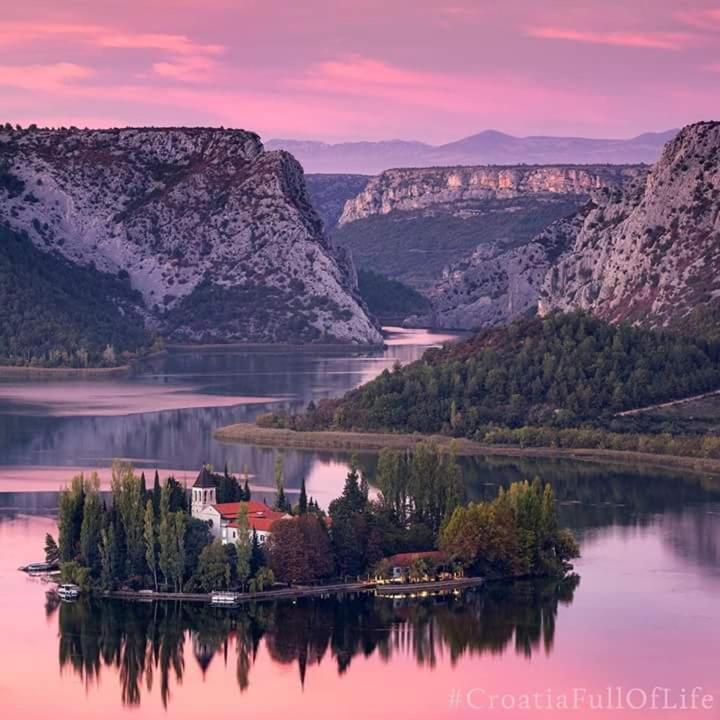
(148, 645)
(142, 419)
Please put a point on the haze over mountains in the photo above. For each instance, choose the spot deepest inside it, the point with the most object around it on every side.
(486, 148)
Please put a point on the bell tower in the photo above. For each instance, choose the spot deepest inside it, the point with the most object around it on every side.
(203, 492)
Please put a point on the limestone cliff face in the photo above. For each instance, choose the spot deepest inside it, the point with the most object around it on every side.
(650, 253)
(218, 235)
(496, 283)
(425, 188)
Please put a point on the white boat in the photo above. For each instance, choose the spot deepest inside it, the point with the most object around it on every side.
(224, 598)
(39, 567)
(68, 591)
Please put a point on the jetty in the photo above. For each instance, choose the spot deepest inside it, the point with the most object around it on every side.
(303, 591)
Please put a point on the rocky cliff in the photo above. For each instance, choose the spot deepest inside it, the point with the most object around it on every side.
(217, 235)
(649, 253)
(496, 283)
(413, 189)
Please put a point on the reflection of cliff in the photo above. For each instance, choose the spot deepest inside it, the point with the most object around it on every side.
(145, 644)
(183, 438)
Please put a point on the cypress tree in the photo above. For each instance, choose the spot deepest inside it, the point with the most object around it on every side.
(303, 501)
(156, 494)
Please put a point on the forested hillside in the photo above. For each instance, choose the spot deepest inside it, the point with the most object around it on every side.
(55, 313)
(390, 300)
(560, 371)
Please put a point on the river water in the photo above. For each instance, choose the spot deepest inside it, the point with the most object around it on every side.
(644, 611)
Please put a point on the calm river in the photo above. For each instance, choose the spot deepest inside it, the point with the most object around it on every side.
(644, 612)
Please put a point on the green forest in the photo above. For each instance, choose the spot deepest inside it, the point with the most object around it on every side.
(390, 300)
(560, 371)
(58, 314)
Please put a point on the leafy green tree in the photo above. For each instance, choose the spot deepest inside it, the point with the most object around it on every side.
(156, 491)
(91, 526)
(127, 498)
(167, 558)
(243, 546)
(197, 536)
(108, 552)
(213, 572)
(70, 517)
(151, 543)
(52, 551)
(299, 550)
(257, 558)
(264, 578)
(516, 534)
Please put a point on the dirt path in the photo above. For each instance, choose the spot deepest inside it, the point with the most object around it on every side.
(671, 403)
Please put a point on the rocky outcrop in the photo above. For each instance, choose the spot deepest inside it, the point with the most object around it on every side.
(218, 236)
(428, 189)
(329, 193)
(496, 283)
(650, 253)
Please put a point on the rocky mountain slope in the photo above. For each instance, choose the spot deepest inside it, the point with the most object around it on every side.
(414, 224)
(329, 193)
(218, 236)
(420, 189)
(485, 148)
(496, 283)
(649, 253)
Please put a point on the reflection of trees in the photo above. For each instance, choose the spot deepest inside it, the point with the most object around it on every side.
(592, 494)
(143, 641)
(694, 535)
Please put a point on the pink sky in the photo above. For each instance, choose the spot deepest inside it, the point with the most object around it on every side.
(429, 70)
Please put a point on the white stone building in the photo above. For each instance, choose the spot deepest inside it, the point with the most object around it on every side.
(222, 517)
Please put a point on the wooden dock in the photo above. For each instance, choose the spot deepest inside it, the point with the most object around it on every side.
(427, 587)
(303, 591)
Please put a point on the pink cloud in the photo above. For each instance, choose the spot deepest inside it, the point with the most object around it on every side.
(46, 78)
(16, 33)
(187, 69)
(644, 40)
(708, 19)
(177, 44)
(358, 78)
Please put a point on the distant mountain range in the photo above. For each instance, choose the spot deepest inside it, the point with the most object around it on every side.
(486, 148)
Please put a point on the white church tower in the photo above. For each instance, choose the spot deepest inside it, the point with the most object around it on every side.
(203, 493)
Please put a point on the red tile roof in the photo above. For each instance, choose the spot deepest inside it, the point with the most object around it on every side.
(260, 516)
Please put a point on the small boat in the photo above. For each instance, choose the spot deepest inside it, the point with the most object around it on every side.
(68, 591)
(224, 598)
(39, 567)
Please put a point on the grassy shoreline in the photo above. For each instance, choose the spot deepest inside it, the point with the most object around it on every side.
(348, 441)
(302, 347)
(21, 371)
(67, 373)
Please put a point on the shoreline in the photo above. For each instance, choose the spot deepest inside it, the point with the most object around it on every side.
(330, 440)
(13, 371)
(21, 371)
(301, 591)
(303, 347)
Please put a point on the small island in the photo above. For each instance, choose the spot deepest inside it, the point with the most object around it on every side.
(418, 529)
